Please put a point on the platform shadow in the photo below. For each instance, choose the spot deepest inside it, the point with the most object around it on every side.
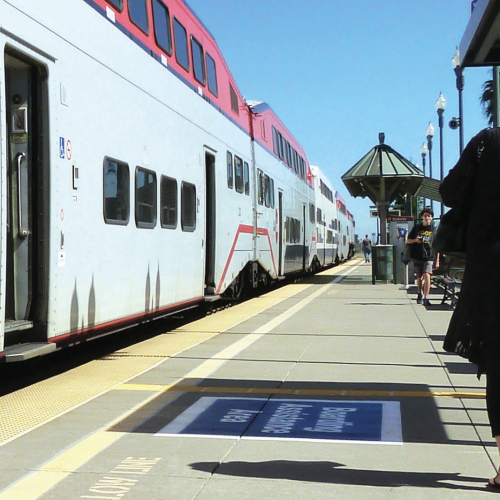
(337, 473)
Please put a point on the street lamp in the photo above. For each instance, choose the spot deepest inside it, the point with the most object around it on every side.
(423, 152)
(430, 134)
(440, 107)
(454, 122)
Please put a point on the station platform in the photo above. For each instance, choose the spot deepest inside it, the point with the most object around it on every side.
(331, 388)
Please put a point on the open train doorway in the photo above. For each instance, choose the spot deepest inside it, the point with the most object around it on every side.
(210, 224)
(26, 97)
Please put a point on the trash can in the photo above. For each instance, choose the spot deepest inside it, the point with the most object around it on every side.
(383, 263)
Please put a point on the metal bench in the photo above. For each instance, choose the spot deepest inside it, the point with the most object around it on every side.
(451, 280)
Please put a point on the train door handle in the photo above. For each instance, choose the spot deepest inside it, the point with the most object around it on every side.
(20, 157)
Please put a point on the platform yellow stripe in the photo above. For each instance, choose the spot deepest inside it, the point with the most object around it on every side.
(302, 392)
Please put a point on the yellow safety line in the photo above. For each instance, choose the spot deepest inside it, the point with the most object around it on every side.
(301, 392)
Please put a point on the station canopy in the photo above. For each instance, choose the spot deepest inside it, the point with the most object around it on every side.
(480, 45)
(382, 175)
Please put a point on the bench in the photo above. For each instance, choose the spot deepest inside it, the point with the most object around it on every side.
(451, 279)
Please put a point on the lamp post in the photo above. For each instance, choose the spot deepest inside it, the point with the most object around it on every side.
(440, 107)
(430, 134)
(423, 152)
(455, 60)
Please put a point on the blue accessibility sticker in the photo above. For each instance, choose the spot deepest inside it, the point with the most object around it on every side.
(260, 418)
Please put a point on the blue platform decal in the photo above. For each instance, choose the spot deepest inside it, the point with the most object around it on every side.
(260, 418)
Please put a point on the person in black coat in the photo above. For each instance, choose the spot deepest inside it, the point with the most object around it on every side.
(474, 330)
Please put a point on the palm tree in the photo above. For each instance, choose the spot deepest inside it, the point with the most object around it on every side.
(487, 101)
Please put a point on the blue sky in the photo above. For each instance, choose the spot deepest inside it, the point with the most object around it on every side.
(339, 72)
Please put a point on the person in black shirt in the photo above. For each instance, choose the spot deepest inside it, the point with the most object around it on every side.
(420, 239)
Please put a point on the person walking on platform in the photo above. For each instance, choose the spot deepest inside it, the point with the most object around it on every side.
(366, 246)
(420, 240)
(474, 329)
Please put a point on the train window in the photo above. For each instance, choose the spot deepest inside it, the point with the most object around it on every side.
(161, 21)
(312, 215)
(230, 171)
(118, 4)
(181, 45)
(198, 61)
(275, 141)
(212, 75)
(319, 217)
(246, 178)
(238, 174)
(145, 198)
(272, 192)
(234, 100)
(261, 187)
(168, 202)
(329, 236)
(263, 129)
(138, 13)
(116, 181)
(188, 206)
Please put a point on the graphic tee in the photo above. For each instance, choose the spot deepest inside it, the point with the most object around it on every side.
(421, 252)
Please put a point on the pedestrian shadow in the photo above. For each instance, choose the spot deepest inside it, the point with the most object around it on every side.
(337, 473)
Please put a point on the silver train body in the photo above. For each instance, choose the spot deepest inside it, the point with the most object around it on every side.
(129, 190)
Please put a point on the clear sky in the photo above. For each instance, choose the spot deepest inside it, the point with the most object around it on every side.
(338, 72)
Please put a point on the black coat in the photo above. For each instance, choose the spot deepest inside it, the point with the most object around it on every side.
(475, 323)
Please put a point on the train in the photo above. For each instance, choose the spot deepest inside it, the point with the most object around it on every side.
(136, 181)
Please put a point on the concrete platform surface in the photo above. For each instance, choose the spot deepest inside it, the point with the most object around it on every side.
(331, 388)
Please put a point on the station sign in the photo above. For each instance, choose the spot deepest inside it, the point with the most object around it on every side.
(311, 420)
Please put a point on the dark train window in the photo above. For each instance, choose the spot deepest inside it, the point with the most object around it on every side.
(312, 213)
(212, 76)
(230, 171)
(168, 202)
(198, 61)
(163, 32)
(269, 188)
(188, 206)
(275, 141)
(118, 4)
(234, 100)
(138, 13)
(116, 183)
(246, 178)
(319, 219)
(238, 174)
(260, 187)
(145, 198)
(181, 45)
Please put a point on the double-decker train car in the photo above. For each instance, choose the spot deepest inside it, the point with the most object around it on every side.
(345, 228)
(136, 181)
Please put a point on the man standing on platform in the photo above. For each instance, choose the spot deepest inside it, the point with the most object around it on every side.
(420, 240)
(366, 246)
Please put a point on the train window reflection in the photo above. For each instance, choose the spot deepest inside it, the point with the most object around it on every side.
(230, 171)
(198, 61)
(181, 45)
(145, 198)
(212, 76)
(246, 178)
(238, 174)
(188, 206)
(116, 181)
(163, 32)
(138, 13)
(168, 200)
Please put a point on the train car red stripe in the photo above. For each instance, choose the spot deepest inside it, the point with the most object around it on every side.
(245, 229)
(115, 325)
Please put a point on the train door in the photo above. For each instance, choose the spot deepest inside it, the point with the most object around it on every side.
(304, 242)
(280, 233)
(210, 224)
(23, 96)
